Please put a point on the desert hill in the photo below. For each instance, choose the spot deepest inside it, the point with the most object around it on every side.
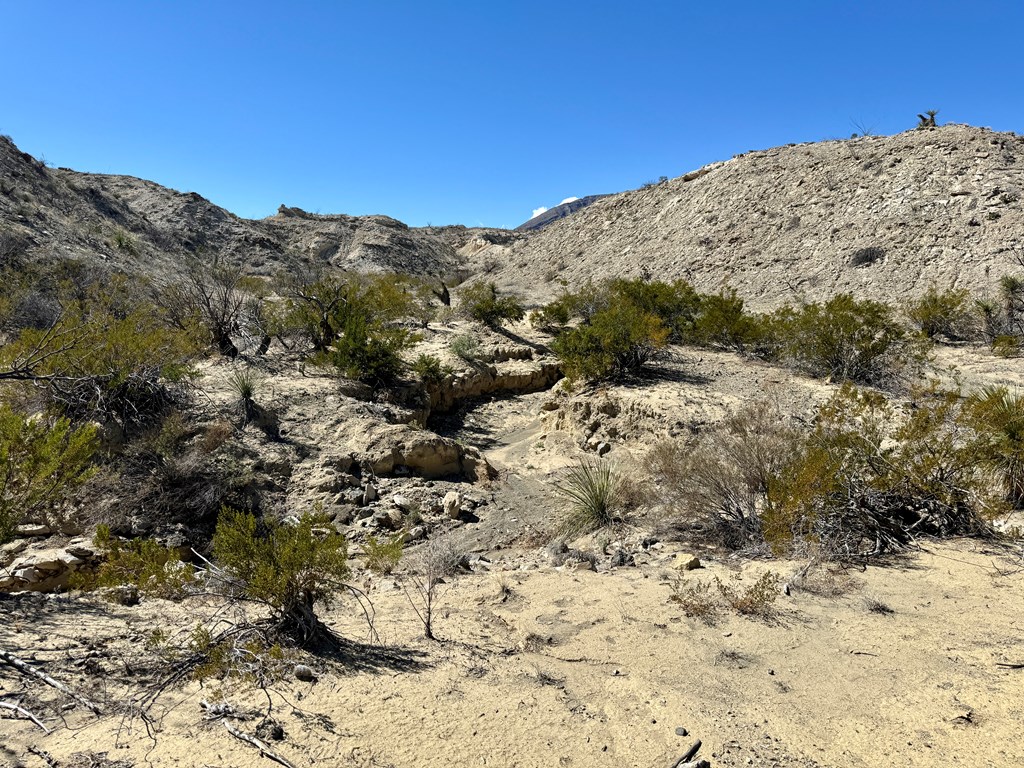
(881, 216)
(138, 225)
(541, 220)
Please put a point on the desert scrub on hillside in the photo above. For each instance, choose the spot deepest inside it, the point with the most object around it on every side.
(430, 369)
(482, 302)
(466, 347)
(42, 461)
(845, 339)
(141, 564)
(997, 413)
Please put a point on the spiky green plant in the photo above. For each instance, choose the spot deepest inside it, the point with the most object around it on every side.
(590, 489)
(997, 414)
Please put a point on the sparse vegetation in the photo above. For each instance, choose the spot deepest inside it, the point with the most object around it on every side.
(758, 599)
(945, 313)
(383, 555)
(696, 600)
(466, 347)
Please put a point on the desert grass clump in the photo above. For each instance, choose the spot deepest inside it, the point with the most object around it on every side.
(590, 489)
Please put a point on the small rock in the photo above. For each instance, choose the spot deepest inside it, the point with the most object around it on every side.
(369, 494)
(402, 502)
(452, 504)
(304, 673)
(680, 731)
(603, 448)
(684, 561)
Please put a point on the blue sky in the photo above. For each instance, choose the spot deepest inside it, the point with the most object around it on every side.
(476, 113)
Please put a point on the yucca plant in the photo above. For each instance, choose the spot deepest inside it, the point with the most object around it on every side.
(998, 416)
(590, 488)
(244, 384)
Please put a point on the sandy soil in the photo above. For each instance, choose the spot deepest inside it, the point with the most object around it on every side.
(553, 667)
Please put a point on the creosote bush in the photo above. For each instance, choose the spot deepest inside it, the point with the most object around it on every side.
(383, 555)
(947, 313)
(845, 339)
(144, 564)
(483, 303)
(42, 461)
(288, 566)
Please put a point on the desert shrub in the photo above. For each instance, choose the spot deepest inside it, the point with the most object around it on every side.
(615, 342)
(482, 302)
(722, 322)
(42, 461)
(287, 567)
(947, 313)
(382, 556)
(590, 491)
(845, 339)
(997, 413)
(866, 481)
(696, 600)
(756, 600)
(430, 369)
(1006, 345)
(675, 304)
(144, 564)
(466, 347)
(367, 354)
(210, 296)
(433, 563)
(865, 256)
(108, 358)
(721, 485)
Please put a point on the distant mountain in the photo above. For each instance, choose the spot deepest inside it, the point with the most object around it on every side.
(136, 225)
(541, 220)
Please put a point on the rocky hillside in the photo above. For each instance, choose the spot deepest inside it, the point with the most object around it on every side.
(133, 224)
(881, 216)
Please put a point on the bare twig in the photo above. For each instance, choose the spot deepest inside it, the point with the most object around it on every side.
(26, 713)
(26, 669)
(253, 741)
(46, 757)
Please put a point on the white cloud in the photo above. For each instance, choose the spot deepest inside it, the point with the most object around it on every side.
(569, 200)
(538, 211)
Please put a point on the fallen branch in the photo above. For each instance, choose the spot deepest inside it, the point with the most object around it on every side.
(26, 669)
(26, 713)
(253, 741)
(46, 757)
(1009, 666)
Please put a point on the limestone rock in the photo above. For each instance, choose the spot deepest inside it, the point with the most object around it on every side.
(684, 561)
(452, 504)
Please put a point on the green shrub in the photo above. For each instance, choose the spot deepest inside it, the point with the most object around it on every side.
(675, 304)
(430, 369)
(947, 313)
(590, 490)
(617, 341)
(140, 563)
(1006, 345)
(364, 354)
(287, 567)
(41, 462)
(382, 556)
(466, 347)
(482, 303)
(107, 358)
(722, 322)
(845, 339)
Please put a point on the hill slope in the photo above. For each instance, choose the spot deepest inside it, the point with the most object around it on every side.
(879, 216)
(134, 224)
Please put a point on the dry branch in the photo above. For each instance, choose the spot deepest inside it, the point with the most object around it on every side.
(26, 669)
(253, 741)
(26, 713)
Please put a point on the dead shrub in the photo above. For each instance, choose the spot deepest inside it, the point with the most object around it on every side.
(696, 600)
(758, 599)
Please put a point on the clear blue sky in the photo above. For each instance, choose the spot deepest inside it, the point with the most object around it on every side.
(478, 112)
